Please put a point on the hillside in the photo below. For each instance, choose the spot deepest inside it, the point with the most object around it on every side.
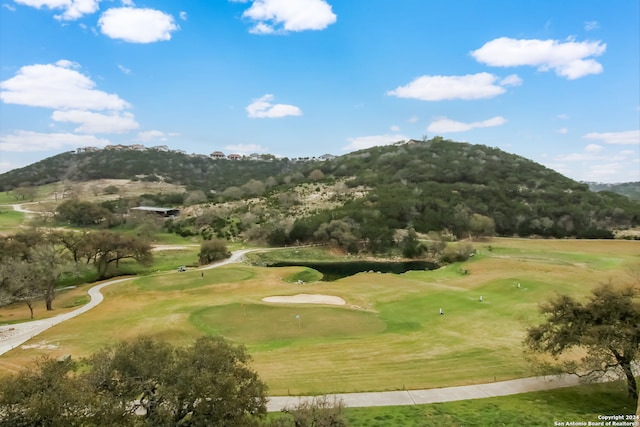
(361, 198)
(629, 189)
(193, 171)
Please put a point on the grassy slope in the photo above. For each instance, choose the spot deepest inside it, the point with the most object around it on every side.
(579, 404)
(389, 335)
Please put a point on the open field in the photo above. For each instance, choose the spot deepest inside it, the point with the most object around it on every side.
(389, 334)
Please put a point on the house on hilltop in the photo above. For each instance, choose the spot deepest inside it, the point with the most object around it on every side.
(234, 157)
(217, 155)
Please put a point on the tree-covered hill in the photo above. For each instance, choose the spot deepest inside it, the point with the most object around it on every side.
(194, 171)
(419, 186)
(438, 184)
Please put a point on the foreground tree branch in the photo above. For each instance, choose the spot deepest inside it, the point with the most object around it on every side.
(606, 326)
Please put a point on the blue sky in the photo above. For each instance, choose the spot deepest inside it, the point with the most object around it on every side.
(555, 81)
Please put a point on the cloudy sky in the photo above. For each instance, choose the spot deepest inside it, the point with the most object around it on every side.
(554, 81)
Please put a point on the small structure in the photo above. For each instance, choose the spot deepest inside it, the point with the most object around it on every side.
(218, 155)
(234, 157)
(165, 212)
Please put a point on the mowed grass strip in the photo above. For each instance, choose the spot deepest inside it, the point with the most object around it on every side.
(388, 336)
(582, 404)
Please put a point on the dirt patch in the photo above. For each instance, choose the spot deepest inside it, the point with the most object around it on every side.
(306, 299)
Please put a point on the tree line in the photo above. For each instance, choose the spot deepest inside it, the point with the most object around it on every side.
(34, 261)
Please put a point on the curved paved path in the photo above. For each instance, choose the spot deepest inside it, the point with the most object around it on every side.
(436, 395)
(12, 336)
(23, 332)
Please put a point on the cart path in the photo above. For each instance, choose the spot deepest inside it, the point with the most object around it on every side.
(436, 395)
(12, 336)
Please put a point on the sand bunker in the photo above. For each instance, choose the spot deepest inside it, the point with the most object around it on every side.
(306, 299)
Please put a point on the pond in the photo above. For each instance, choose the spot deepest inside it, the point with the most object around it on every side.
(337, 270)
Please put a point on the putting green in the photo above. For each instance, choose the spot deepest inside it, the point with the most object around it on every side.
(260, 324)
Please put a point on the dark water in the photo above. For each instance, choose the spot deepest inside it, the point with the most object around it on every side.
(337, 270)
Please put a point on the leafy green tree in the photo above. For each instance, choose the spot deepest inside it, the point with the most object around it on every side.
(140, 383)
(481, 225)
(83, 213)
(410, 245)
(606, 327)
(108, 248)
(339, 232)
(46, 395)
(48, 264)
(213, 250)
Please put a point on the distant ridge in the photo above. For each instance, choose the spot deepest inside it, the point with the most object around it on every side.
(423, 185)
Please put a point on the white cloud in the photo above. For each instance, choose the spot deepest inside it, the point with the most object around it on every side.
(12, 9)
(183, 15)
(137, 25)
(591, 25)
(57, 86)
(363, 142)
(445, 125)
(569, 59)
(246, 148)
(261, 28)
(26, 141)
(124, 69)
(413, 119)
(289, 15)
(593, 148)
(154, 135)
(263, 108)
(625, 138)
(395, 128)
(511, 80)
(563, 116)
(97, 123)
(562, 131)
(438, 88)
(72, 9)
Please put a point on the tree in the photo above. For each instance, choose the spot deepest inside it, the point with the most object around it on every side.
(213, 250)
(207, 383)
(17, 283)
(606, 327)
(107, 248)
(48, 265)
(83, 213)
(45, 395)
(481, 225)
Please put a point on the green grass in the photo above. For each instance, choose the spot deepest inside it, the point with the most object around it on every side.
(244, 323)
(306, 275)
(388, 336)
(181, 281)
(10, 219)
(579, 404)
